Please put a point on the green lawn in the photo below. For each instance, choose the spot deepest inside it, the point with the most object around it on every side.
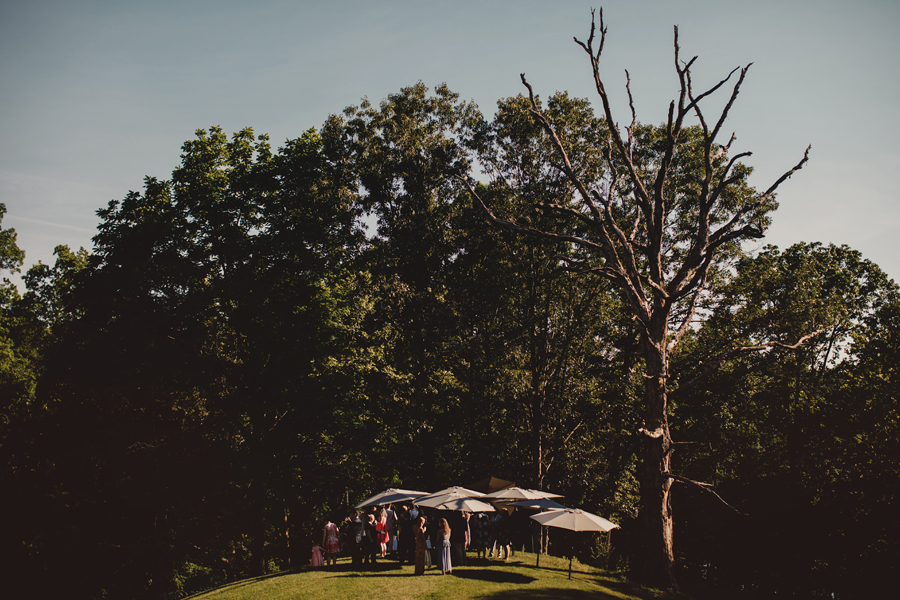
(518, 579)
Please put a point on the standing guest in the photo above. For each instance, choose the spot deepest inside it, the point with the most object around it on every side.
(434, 539)
(481, 534)
(503, 536)
(407, 542)
(458, 539)
(446, 565)
(357, 536)
(496, 523)
(391, 530)
(370, 541)
(316, 560)
(331, 542)
(382, 532)
(519, 524)
(468, 516)
(419, 532)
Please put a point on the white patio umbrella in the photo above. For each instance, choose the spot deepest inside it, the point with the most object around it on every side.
(459, 503)
(389, 496)
(461, 491)
(443, 501)
(517, 493)
(574, 519)
(539, 503)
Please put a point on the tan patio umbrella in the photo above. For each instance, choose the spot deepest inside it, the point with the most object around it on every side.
(389, 496)
(491, 484)
(574, 519)
(459, 503)
(439, 500)
(461, 491)
(540, 504)
(517, 493)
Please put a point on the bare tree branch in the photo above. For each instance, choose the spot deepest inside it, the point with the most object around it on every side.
(740, 350)
(706, 487)
(633, 115)
(788, 174)
(725, 229)
(641, 194)
(686, 322)
(523, 228)
(626, 265)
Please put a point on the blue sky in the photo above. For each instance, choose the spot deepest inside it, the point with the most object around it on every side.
(96, 94)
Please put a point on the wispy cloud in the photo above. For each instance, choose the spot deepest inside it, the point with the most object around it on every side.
(87, 230)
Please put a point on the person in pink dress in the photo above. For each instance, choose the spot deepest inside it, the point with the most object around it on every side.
(316, 560)
(331, 542)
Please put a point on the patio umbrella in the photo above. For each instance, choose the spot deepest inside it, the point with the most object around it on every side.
(459, 503)
(389, 496)
(461, 491)
(491, 484)
(443, 501)
(539, 503)
(517, 493)
(574, 519)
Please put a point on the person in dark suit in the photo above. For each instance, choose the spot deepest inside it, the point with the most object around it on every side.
(356, 534)
(458, 538)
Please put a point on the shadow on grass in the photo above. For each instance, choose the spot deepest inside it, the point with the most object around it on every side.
(492, 576)
(380, 569)
(548, 593)
(235, 585)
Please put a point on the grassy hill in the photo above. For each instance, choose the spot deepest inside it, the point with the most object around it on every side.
(518, 579)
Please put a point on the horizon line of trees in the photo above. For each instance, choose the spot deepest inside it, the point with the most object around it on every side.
(269, 335)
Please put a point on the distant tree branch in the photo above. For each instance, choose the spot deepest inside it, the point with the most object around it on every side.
(523, 228)
(725, 356)
(689, 316)
(706, 487)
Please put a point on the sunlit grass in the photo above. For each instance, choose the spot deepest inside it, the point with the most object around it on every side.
(517, 579)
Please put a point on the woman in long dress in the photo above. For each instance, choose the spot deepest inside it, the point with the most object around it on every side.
(331, 542)
(446, 567)
(421, 549)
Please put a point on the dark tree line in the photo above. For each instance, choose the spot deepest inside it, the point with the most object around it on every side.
(269, 335)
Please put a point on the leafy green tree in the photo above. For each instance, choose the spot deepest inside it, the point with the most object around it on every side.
(777, 428)
(11, 256)
(16, 372)
(200, 354)
(404, 154)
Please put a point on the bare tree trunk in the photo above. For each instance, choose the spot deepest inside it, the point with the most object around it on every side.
(656, 505)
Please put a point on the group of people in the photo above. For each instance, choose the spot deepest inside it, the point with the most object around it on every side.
(369, 537)
(412, 536)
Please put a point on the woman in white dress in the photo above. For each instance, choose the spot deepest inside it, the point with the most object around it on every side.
(444, 529)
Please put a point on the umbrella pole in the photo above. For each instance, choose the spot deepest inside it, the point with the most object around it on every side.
(570, 567)
(537, 561)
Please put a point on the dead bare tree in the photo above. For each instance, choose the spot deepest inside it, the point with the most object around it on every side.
(657, 240)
